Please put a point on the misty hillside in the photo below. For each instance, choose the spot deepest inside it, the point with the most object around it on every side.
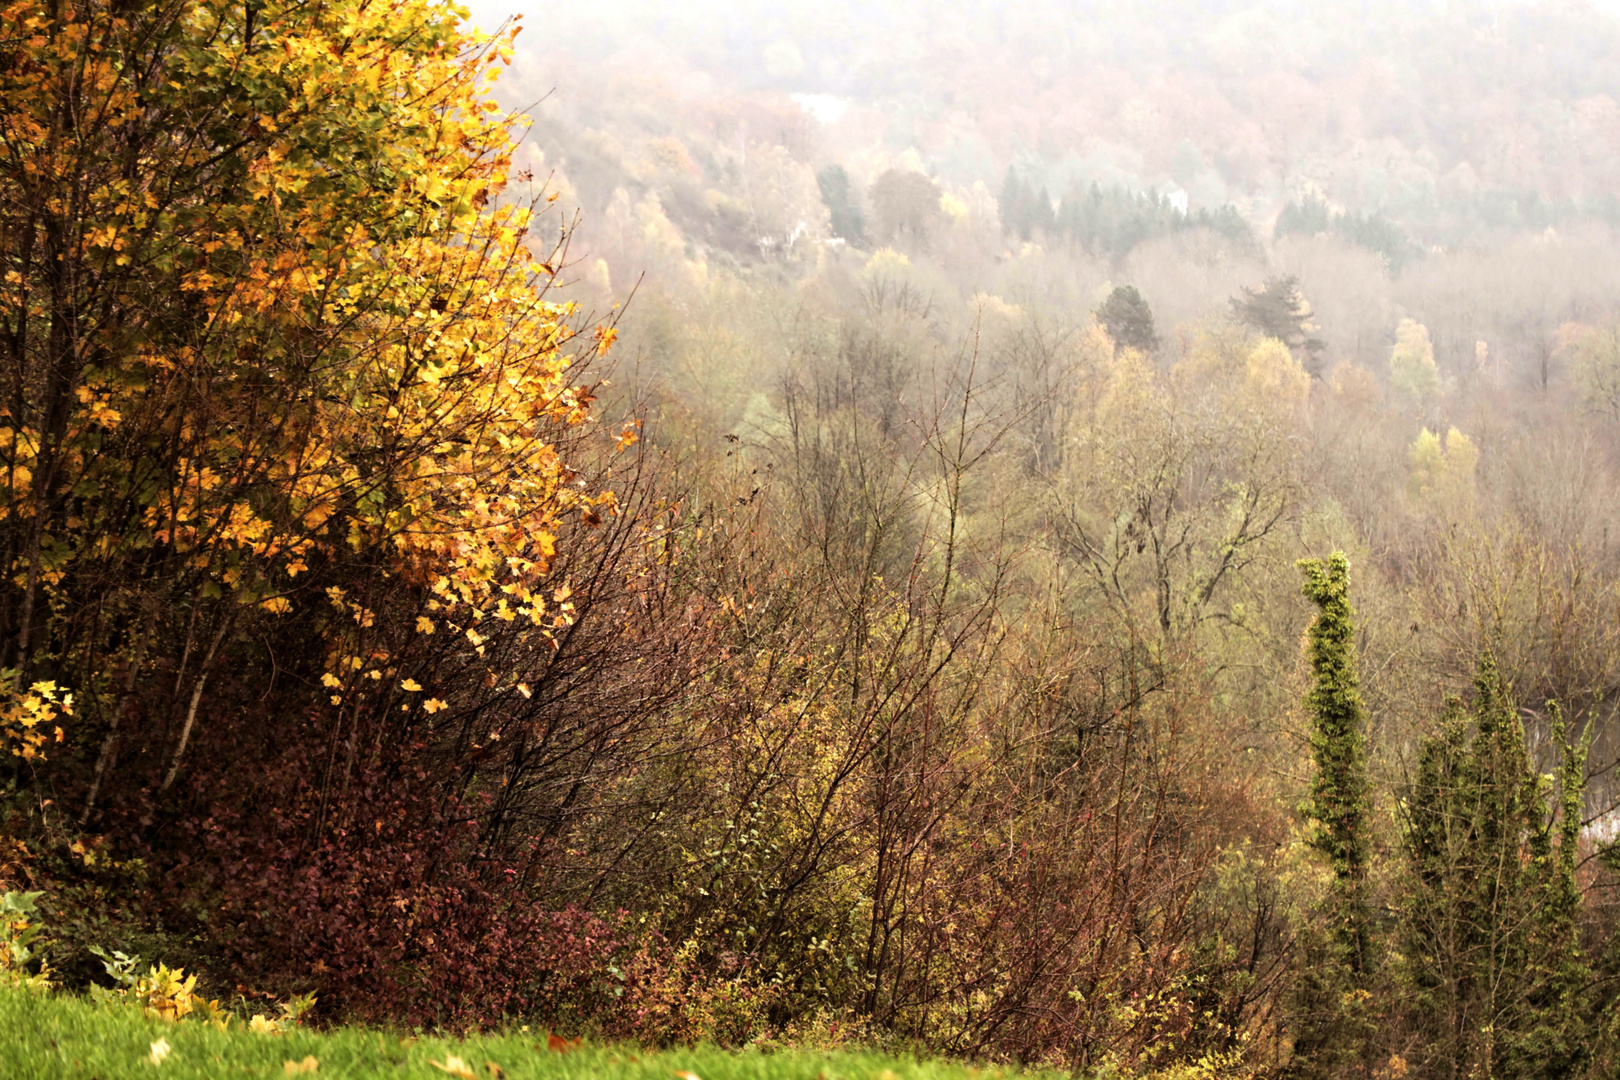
(1446, 119)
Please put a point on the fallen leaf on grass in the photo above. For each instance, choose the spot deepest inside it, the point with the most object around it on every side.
(560, 1045)
(688, 1076)
(296, 1068)
(455, 1067)
(160, 1050)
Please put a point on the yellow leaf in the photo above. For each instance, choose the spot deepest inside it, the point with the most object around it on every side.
(160, 1050)
(330, 680)
(410, 684)
(296, 1068)
(433, 705)
(259, 1025)
(455, 1067)
(424, 625)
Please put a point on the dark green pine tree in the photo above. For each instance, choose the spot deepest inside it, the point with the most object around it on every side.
(844, 212)
(1310, 216)
(1334, 1023)
(1493, 965)
(1026, 212)
(1128, 319)
(1278, 309)
(1042, 215)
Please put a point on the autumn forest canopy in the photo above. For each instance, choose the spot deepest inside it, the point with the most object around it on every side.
(1083, 537)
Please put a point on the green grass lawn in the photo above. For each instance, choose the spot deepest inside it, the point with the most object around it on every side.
(63, 1036)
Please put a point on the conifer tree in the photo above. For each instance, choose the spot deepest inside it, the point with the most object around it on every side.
(843, 209)
(1493, 962)
(1128, 319)
(1278, 309)
(1026, 211)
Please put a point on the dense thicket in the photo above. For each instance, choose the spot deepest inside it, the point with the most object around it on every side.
(292, 439)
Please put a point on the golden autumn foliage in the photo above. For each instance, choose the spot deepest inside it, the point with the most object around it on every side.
(1275, 375)
(269, 304)
(1441, 474)
(28, 718)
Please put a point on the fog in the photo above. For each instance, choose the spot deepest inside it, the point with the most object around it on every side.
(1448, 119)
(1451, 166)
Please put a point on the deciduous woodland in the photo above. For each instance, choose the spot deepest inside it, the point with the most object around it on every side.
(1046, 578)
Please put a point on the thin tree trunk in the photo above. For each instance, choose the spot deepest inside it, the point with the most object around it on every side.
(108, 744)
(191, 710)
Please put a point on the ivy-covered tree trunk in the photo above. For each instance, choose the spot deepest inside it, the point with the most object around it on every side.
(1493, 963)
(1334, 1026)
(1339, 751)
